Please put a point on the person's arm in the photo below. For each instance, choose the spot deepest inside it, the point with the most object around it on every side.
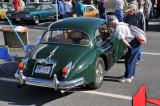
(82, 8)
(125, 4)
(150, 4)
(126, 43)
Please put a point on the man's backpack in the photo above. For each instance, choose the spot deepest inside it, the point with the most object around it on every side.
(138, 33)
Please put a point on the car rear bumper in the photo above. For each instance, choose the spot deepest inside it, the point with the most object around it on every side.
(48, 83)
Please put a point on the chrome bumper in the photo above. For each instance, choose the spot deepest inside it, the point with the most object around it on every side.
(48, 83)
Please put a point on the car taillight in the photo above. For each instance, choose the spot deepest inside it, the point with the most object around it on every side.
(21, 66)
(64, 71)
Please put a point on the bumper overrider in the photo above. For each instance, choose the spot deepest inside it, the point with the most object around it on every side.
(48, 83)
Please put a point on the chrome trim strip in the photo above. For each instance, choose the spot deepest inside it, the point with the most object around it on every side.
(52, 70)
(49, 83)
(33, 69)
(52, 53)
(45, 62)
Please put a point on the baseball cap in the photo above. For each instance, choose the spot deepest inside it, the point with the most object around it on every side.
(132, 6)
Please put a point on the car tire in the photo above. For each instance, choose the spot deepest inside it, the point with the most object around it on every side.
(99, 74)
(36, 19)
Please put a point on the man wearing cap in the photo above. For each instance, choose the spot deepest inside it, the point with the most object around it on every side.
(135, 18)
(124, 34)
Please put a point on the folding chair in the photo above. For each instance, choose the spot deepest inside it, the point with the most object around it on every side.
(32, 46)
(10, 60)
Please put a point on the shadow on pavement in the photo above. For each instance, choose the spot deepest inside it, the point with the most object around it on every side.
(28, 95)
(112, 78)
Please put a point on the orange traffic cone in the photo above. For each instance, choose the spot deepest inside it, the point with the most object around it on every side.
(140, 98)
(154, 101)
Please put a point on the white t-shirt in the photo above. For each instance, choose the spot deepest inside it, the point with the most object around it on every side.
(68, 7)
(22, 3)
(123, 31)
(36, 1)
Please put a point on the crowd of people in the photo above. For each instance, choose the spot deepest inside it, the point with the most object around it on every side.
(151, 8)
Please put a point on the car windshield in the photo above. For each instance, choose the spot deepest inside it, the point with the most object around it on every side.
(33, 6)
(65, 37)
(10, 6)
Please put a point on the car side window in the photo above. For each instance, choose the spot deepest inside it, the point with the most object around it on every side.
(47, 7)
(88, 9)
(98, 38)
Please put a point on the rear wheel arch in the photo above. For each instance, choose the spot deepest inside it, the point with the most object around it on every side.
(105, 61)
(99, 74)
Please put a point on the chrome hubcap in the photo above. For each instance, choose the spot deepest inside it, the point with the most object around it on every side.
(99, 73)
(36, 19)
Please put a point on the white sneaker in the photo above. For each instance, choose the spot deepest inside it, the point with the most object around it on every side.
(125, 80)
(132, 78)
(128, 79)
(122, 80)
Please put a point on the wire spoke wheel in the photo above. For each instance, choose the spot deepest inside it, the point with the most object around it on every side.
(36, 19)
(99, 74)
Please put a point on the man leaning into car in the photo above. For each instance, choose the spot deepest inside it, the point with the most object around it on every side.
(124, 34)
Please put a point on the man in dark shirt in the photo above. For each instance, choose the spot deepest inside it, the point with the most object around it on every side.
(102, 9)
(136, 18)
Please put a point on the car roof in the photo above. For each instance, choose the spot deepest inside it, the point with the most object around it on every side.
(85, 24)
(39, 3)
(5, 3)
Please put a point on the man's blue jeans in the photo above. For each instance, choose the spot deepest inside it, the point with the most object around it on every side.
(152, 12)
(119, 15)
(131, 58)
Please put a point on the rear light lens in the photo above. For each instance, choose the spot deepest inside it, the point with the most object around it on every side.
(66, 70)
(21, 66)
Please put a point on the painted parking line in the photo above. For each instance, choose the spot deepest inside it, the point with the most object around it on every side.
(147, 53)
(108, 95)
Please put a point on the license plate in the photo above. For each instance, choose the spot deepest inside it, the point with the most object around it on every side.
(43, 69)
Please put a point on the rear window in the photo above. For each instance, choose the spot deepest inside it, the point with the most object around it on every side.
(33, 6)
(65, 37)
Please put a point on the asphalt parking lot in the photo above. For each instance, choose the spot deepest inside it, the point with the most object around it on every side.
(111, 93)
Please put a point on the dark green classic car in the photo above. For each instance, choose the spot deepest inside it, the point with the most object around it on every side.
(34, 12)
(72, 52)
